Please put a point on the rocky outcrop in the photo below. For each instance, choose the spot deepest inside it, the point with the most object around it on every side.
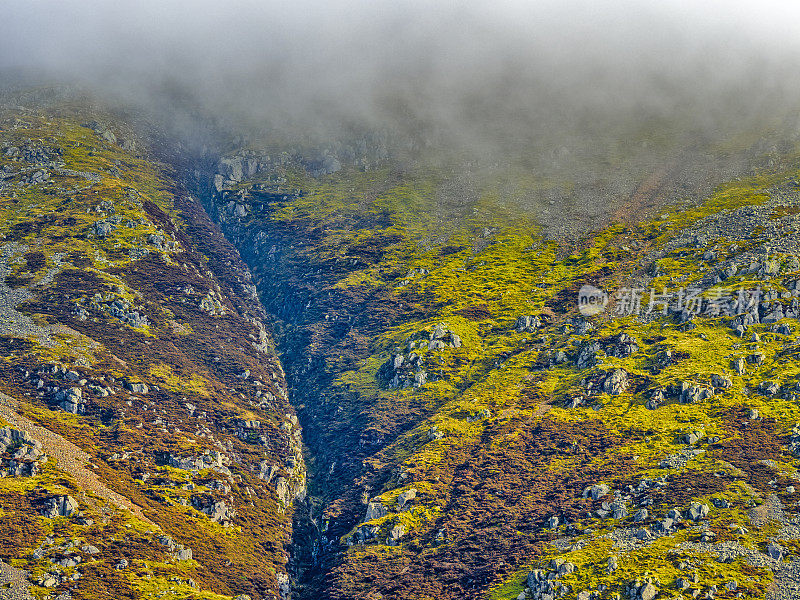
(544, 583)
(642, 590)
(217, 510)
(214, 460)
(405, 498)
(20, 453)
(528, 323)
(136, 387)
(375, 510)
(71, 400)
(794, 441)
(587, 356)
(621, 346)
(60, 506)
(616, 382)
(409, 369)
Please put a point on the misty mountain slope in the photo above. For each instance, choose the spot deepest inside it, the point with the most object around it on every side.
(466, 426)
(130, 328)
(346, 299)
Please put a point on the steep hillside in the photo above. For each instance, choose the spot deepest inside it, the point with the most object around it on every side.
(469, 431)
(147, 446)
(472, 435)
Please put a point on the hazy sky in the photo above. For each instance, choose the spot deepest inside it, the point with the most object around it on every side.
(472, 67)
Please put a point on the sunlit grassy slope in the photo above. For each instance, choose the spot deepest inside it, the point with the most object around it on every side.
(360, 267)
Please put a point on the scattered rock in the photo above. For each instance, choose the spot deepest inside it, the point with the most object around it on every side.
(104, 228)
(692, 393)
(642, 591)
(71, 400)
(794, 441)
(24, 453)
(182, 553)
(216, 510)
(655, 400)
(619, 510)
(211, 304)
